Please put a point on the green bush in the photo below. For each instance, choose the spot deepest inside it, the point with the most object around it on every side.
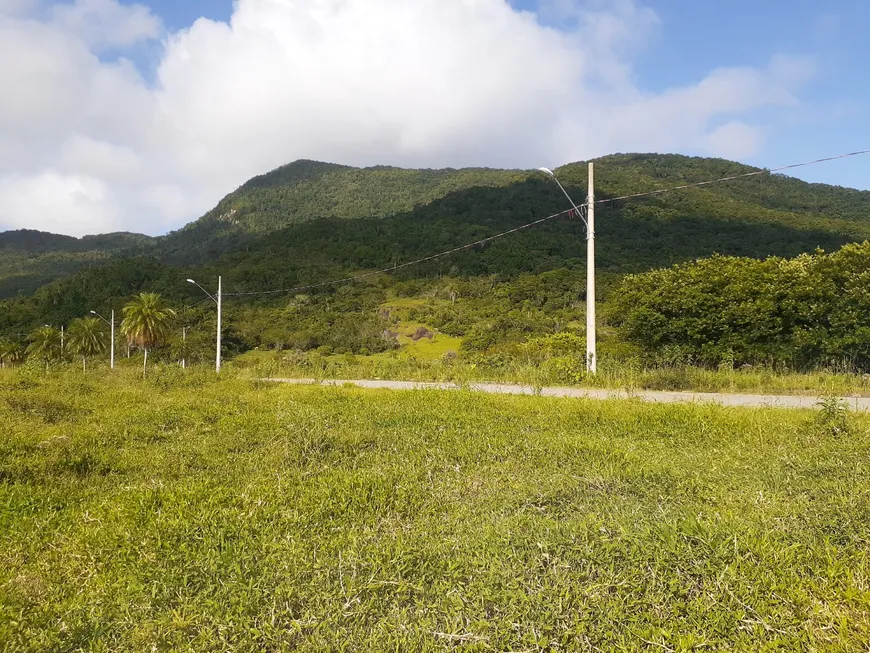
(813, 310)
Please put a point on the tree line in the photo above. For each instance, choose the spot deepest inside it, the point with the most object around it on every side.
(803, 312)
(145, 324)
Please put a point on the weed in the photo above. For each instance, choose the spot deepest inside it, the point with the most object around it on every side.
(833, 417)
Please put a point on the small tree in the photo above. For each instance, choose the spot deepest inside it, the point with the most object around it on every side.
(11, 352)
(146, 323)
(45, 345)
(86, 338)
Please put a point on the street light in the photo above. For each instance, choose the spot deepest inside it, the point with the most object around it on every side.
(112, 326)
(217, 300)
(61, 338)
(184, 347)
(589, 222)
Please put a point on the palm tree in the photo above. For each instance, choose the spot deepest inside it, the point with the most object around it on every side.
(11, 352)
(86, 338)
(45, 344)
(146, 322)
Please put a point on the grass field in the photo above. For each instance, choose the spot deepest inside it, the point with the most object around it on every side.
(186, 514)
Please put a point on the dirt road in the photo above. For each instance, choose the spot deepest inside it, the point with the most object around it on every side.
(860, 404)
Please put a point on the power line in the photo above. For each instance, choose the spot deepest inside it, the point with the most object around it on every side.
(202, 301)
(425, 259)
(401, 265)
(754, 173)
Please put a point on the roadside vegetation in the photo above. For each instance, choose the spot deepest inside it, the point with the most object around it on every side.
(184, 513)
(721, 324)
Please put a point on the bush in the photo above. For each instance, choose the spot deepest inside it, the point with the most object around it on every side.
(813, 310)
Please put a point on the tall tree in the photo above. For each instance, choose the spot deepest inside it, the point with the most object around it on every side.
(86, 338)
(45, 344)
(146, 323)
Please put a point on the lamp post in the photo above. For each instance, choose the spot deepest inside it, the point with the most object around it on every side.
(589, 222)
(61, 340)
(184, 347)
(217, 300)
(112, 327)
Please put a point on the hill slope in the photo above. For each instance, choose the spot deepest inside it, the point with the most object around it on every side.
(292, 227)
(306, 190)
(29, 259)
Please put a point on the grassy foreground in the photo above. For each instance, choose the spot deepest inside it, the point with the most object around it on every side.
(185, 514)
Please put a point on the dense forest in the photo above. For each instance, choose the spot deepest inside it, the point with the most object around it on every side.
(308, 223)
(30, 259)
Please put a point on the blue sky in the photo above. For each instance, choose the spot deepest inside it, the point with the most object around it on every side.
(698, 36)
(695, 37)
(178, 14)
(143, 118)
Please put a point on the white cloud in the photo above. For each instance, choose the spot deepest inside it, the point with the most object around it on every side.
(105, 23)
(66, 204)
(88, 145)
(735, 140)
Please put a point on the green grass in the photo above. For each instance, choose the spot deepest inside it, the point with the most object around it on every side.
(187, 514)
(403, 366)
(426, 349)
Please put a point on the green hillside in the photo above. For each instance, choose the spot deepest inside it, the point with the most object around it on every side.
(29, 259)
(306, 190)
(292, 228)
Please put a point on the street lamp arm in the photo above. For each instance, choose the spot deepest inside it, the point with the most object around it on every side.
(216, 300)
(112, 327)
(210, 296)
(101, 317)
(551, 174)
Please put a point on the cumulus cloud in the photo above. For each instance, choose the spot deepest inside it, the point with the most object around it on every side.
(62, 203)
(88, 145)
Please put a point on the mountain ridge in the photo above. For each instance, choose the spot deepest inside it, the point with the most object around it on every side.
(313, 169)
(307, 190)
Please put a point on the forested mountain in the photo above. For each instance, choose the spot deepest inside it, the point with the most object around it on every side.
(308, 223)
(306, 190)
(29, 259)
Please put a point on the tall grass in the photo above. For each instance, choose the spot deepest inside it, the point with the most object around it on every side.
(611, 374)
(185, 513)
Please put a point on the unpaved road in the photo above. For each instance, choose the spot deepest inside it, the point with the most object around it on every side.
(860, 404)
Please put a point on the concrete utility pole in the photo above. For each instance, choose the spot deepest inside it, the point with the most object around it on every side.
(219, 309)
(183, 348)
(219, 301)
(591, 335)
(112, 328)
(589, 221)
(112, 352)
